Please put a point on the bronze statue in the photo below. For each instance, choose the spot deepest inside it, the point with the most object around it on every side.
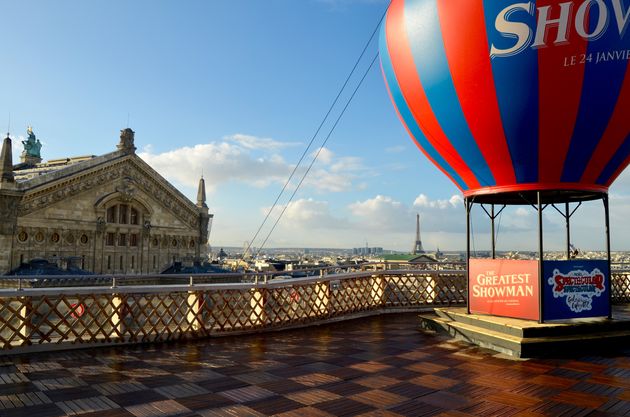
(32, 146)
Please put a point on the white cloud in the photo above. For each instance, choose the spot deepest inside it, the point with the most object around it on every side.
(220, 162)
(325, 155)
(453, 202)
(522, 212)
(253, 142)
(251, 160)
(307, 213)
(395, 149)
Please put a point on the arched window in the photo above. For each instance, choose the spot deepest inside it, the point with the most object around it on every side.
(123, 214)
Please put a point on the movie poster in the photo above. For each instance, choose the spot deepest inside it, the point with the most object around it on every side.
(504, 287)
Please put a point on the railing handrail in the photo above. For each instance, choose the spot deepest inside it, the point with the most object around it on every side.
(149, 289)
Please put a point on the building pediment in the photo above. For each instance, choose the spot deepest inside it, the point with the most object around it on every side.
(122, 174)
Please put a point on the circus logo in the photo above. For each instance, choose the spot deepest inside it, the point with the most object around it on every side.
(578, 287)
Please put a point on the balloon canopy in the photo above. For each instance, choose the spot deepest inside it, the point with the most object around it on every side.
(506, 96)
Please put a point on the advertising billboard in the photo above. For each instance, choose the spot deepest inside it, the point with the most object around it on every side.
(576, 289)
(504, 287)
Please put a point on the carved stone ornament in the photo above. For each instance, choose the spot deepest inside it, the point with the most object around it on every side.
(127, 190)
(100, 225)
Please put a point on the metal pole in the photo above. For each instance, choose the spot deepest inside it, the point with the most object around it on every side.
(541, 284)
(607, 216)
(567, 218)
(494, 254)
(468, 207)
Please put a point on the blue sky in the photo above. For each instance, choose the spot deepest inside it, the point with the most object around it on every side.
(237, 89)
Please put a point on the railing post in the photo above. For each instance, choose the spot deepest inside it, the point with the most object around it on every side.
(119, 311)
(194, 311)
(377, 290)
(432, 281)
(322, 294)
(194, 308)
(25, 317)
(258, 316)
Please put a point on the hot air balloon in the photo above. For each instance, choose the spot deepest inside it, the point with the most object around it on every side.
(518, 102)
(506, 96)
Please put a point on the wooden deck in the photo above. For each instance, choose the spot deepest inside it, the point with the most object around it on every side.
(378, 366)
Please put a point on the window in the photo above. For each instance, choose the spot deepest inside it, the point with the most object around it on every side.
(109, 262)
(111, 214)
(121, 263)
(133, 261)
(122, 213)
(154, 262)
(109, 239)
(133, 216)
(133, 239)
(122, 239)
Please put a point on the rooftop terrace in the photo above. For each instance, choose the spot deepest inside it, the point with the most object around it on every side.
(374, 366)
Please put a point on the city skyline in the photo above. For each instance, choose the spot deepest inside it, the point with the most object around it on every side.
(235, 91)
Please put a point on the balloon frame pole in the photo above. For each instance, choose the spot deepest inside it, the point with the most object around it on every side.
(607, 225)
(541, 309)
(468, 205)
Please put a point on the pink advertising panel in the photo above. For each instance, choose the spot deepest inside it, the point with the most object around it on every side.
(504, 287)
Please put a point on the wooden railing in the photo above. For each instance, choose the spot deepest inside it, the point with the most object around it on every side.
(39, 319)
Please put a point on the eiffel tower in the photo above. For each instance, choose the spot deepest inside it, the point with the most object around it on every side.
(417, 248)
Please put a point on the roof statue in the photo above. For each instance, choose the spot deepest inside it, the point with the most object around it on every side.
(126, 140)
(32, 145)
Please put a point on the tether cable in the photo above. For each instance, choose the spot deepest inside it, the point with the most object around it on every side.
(330, 109)
(317, 154)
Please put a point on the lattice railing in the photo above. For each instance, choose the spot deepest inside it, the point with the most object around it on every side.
(621, 287)
(38, 319)
(45, 318)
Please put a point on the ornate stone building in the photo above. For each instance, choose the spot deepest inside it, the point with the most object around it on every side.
(110, 214)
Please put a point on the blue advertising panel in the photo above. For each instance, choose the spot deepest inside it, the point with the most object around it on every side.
(575, 289)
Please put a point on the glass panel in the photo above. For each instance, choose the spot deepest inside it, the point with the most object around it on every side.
(111, 214)
(123, 214)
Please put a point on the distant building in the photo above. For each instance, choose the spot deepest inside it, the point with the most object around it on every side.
(365, 251)
(111, 213)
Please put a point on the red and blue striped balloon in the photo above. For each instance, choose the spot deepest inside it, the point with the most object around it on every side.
(508, 96)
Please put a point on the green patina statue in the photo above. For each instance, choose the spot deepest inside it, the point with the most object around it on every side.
(32, 146)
